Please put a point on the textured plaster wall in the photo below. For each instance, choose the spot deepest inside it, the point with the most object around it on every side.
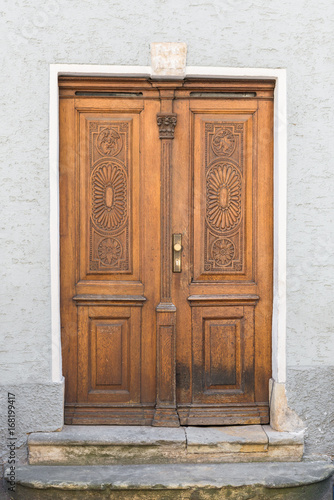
(312, 396)
(262, 33)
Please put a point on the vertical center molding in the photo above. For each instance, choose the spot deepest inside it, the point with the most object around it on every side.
(166, 123)
(165, 412)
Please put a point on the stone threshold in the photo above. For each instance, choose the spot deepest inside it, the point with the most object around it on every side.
(112, 445)
(298, 481)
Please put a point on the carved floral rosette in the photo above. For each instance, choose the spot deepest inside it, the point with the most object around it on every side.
(110, 199)
(224, 207)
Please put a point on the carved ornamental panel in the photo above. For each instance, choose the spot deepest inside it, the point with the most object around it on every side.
(110, 245)
(224, 208)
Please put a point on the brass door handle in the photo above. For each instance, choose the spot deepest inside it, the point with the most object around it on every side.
(177, 249)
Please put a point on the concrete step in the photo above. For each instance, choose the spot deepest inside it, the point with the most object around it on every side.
(109, 445)
(242, 481)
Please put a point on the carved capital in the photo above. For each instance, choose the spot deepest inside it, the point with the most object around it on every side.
(166, 123)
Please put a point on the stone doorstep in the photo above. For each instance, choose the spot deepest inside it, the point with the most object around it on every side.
(107, 445)
(307, 480)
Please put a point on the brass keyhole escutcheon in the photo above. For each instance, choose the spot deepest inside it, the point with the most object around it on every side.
(177, 249)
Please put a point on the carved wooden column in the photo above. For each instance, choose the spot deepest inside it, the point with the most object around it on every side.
(165, 412)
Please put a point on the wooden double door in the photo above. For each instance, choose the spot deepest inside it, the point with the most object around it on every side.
(166, 232)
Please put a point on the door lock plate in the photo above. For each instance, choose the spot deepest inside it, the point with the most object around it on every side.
(177, 251)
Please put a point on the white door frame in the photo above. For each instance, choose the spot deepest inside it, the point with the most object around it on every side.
(280, 191)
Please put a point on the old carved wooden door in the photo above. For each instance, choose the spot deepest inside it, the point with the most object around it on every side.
(166, 231)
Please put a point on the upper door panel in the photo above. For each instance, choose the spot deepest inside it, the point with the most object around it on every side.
(224, 157)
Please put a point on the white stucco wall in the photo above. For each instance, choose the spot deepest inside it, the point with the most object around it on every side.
(261, 33)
